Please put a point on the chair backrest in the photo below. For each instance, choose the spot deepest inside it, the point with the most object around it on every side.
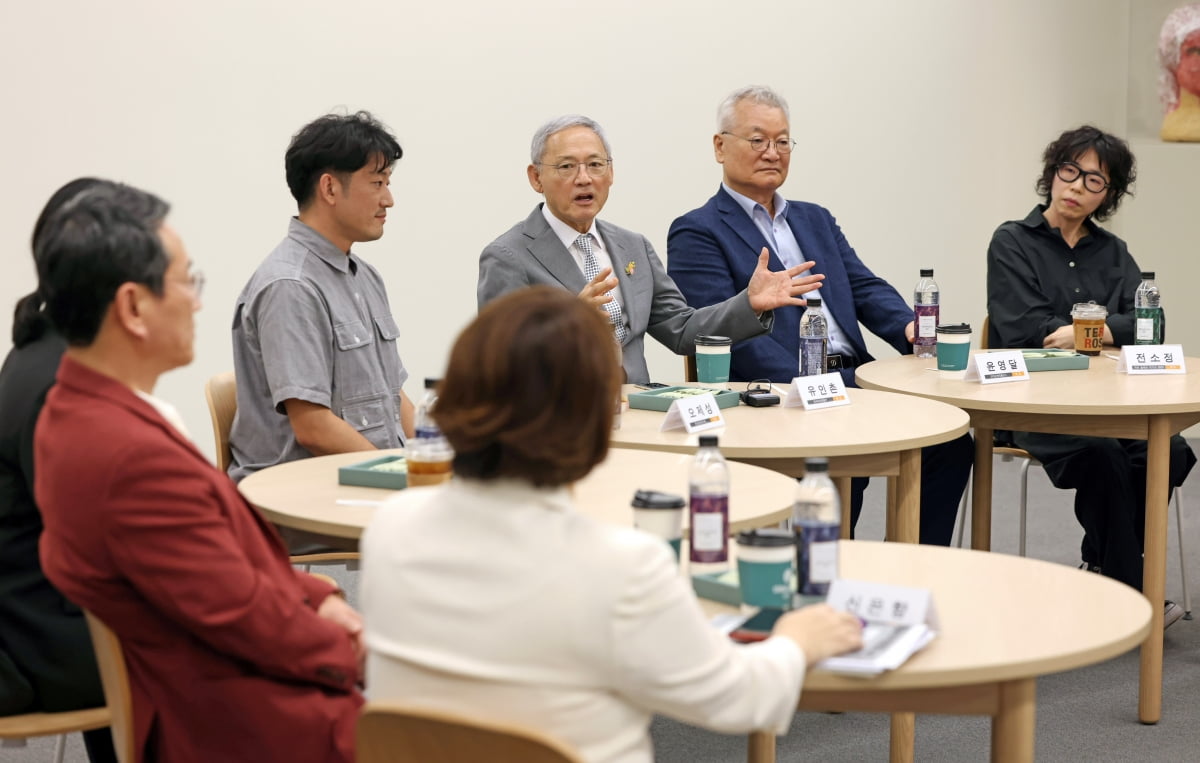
(983, 334)
(398, 734)
(16, 729)
(689, 368)
(115, 679)
(221, 393)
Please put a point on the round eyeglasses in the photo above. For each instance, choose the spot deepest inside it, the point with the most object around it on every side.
(1069, 172)
(596, 168)
(759, 144)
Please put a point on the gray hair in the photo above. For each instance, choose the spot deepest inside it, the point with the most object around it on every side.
(753, 93)
(538, 146)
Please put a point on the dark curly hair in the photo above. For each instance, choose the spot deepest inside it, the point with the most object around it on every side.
(1115, 158)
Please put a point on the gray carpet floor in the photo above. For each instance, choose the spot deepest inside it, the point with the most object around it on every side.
(1082, 715)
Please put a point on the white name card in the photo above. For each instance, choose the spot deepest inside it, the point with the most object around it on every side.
(1152, 359)
(697, 413)
(812, 392)
(883, 603)
(997, 367)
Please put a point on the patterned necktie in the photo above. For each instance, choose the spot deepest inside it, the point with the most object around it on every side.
(590, 271)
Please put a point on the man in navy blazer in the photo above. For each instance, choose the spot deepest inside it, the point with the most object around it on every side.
(712, 250)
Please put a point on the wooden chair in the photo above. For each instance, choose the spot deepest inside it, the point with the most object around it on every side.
(398, 734)
(689, 368)
(221, 393)
(1007, 453)
(115, 679)
(16, 729)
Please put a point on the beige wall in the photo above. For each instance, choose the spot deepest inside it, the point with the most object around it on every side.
(920, 122)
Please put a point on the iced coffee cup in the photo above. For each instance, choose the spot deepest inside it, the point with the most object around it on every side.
(1088, 318)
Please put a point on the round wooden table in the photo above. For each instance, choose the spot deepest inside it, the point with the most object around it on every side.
(1096, 401)
(1002, 621)
(305, 494)
(878, 434)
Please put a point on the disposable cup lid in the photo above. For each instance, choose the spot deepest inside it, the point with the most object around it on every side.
(769, 537)
(653, 499)
(712, 341)
(954, 328)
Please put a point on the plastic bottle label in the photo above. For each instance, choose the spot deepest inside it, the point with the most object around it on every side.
(816, 556)
(927, 320)
(1148, 326)
(812, 355)
(709, 531)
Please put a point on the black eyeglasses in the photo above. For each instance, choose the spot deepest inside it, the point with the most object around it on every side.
(759, 144)
(1069, 172)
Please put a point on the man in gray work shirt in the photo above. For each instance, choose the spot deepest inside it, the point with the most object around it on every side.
(314, 340)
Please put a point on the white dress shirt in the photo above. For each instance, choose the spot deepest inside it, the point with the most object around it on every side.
(567, 235)
(498, 600)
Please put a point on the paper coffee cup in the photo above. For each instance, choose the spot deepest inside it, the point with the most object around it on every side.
(712, 361)
(766, 575)
(953, 348)
(660, 514)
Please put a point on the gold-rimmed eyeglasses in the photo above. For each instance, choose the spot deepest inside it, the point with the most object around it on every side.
(596, 168)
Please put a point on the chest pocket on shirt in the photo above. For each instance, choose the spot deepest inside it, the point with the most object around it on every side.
(351, 335)
(388, 330)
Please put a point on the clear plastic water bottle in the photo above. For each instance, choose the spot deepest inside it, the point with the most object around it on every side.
(425, 426)
(1147, 311)
(817, 522)
(708, 509)
(926, 315)
(429, 455)
(814, 339)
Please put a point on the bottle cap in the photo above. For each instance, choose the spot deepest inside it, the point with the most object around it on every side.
(708, 441)
(1147, 275)
(817, 464)
(813, 301)
(927, 272)
(431, 383)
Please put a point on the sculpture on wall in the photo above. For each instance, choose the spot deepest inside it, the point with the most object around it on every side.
(1179, 76)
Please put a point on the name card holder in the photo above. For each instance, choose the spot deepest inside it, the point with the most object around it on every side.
(883, 603)
(821, 391)
(1152, 359)
(697, 413)
(898, 622)
(997, 367)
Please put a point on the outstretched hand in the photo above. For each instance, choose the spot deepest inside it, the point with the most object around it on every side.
(771, 289)
(598, 291)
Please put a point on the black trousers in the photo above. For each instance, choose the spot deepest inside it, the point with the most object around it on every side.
(1109, 479)
(944, 472)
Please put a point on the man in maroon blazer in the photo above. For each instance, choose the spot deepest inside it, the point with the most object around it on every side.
(232, 654)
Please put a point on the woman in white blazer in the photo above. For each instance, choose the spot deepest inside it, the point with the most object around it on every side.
(491, 596)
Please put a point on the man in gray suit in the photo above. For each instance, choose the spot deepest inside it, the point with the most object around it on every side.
(562, 244)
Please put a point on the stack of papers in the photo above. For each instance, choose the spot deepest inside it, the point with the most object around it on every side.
(885, 647)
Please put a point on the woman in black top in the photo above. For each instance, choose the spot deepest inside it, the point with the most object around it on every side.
(46, 658)
(1038, 268)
